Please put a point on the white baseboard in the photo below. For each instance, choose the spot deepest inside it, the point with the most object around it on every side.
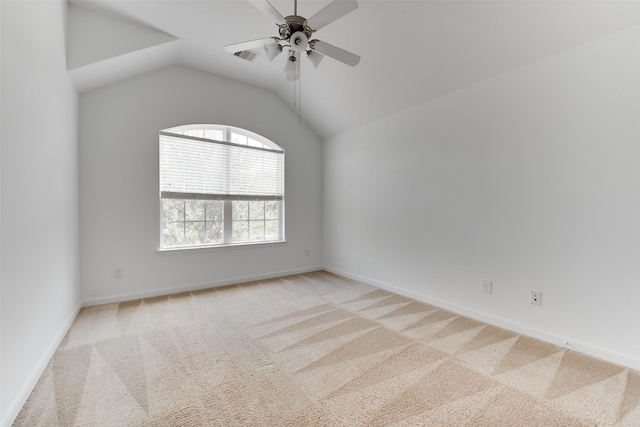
(588, 349)
(194, 287)
(14, 409)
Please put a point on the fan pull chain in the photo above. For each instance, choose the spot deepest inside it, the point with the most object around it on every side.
(297, 98)
(299, 93)
(295, 86)
(295, 92)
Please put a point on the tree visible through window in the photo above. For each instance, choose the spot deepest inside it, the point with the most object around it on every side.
(219, 185)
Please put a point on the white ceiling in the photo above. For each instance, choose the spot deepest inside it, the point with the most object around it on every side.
(412, 51)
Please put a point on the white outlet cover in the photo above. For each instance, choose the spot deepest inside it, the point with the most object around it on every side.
(536, 297)
(487, 286)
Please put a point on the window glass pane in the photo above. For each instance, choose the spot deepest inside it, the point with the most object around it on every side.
(271, 210)
(256, 210)
(240, 210)
(214, 232)
(214, 210)
(194, 233)
(194, 210)
(197, 133)
(172, 210)
(271, 230)
(238, 139)
(240, 231)
(218, 135)
(172, 234)
(256, 231)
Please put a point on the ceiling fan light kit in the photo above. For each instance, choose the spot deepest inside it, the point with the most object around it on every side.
(295, 33)
(299, 42)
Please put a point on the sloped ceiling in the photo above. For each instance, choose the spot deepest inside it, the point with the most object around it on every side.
(412, 51)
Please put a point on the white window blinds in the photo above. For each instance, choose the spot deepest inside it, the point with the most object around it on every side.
(197, 168)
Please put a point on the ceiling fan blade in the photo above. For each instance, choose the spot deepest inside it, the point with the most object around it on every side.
(335, 52)
(251, 44)
(267, 8)
(331, 12)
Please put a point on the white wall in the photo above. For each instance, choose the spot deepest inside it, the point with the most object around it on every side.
(530, 179)
(119, 205)
(95, 37)
(40, 272)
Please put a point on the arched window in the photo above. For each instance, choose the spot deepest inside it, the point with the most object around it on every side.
(219, 185)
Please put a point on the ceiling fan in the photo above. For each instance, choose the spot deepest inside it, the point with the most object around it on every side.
(295, 32)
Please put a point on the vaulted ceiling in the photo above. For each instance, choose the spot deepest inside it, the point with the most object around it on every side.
(412, 51)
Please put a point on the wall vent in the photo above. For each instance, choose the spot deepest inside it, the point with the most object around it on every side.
(249, 55)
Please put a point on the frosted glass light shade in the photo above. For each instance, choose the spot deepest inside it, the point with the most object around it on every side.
(291, 66)
(315, 58)
(272, 50)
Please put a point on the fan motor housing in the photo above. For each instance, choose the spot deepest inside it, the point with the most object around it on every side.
(295, 23)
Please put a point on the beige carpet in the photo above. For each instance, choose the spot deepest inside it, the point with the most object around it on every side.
(320, 350)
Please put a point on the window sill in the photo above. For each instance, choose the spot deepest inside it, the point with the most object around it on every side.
(198, 249)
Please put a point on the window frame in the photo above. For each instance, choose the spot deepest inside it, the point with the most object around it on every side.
(227, 202)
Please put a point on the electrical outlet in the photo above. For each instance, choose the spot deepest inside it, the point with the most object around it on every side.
(306, 252)
(536, 297)
(487, 286)
(118, 272)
